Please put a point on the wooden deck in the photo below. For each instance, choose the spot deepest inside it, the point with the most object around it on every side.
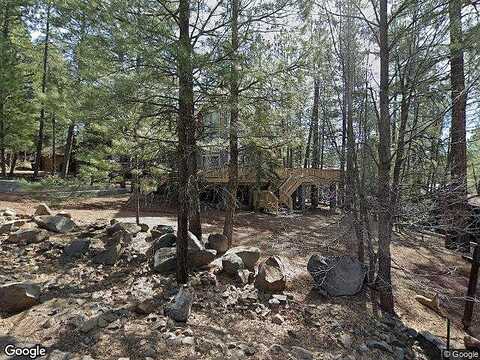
(247, 175)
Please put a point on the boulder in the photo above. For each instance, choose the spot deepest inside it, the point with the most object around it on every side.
(218, 242)
(194, 243)
(201, 258)
(180, 309)
(58, 224)
(17, 297)
(337, 275)
(243, 276)
(28, 236)
(77, 247)
(232, 263)
(160, 230)
(248, 254)
(120, 237)
(271, 275)
(165, 260)
(431, 345)
(8, 213)
(166, 240)
(8, 227)
(131, 228)
(109, 256)
(64, 214)
(42, 209)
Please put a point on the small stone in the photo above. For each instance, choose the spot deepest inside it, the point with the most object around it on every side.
(17, 297)
(218, 242)
(243, 276)
(301, 353)
(58, 224)
(277, 319)
(380, 345)
(363, 348)
(188, 340)
(346, 341)
(28, 236)
(77, 247)
(248, 254)
(181, 307)
(277, 348)
(232, 263)
(274, 304)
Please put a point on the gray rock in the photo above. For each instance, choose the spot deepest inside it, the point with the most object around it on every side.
(42, 209)
(17, 297)
(77, 248)
(166, 240)
(363, 348)
(380, 345)
(248, 254)
(58, 224)
(120, 237)
(144, 227)
(243, 276)
(201, 258)
(277, 348)
(431, 345)
(337, 275)
(182, 305)
(346, 341)
(28, 236)
(109, 256)
(399, 353)
(160, 230)
(165, 260)
(301, 353)
(271, 275)
(131, 228)
(218, 242)
(194, 243)
(232, 263)
(8, 228)
(9, 213)
(278, 319)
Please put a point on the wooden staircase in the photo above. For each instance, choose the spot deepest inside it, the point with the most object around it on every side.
(286, 190)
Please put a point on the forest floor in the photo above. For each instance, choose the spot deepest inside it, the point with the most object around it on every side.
(77, 290)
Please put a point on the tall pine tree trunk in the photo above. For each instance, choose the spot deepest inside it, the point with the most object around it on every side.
(3, 160)
(458, 149)
(67, 156)
(38, 156)
(233, 135)
(185, 120)
(315, 137)
(54, 145)
(384, 275)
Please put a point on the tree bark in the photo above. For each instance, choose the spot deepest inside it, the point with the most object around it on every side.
(13, 164)
(67, 156)
(54, 145)
(458, 149)
(233, 136)
(38, 156)
(3, 160)
(185, 120)
(384, 276)
(315, 137)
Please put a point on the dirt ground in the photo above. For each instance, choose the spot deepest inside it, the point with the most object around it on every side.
(421, 267)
